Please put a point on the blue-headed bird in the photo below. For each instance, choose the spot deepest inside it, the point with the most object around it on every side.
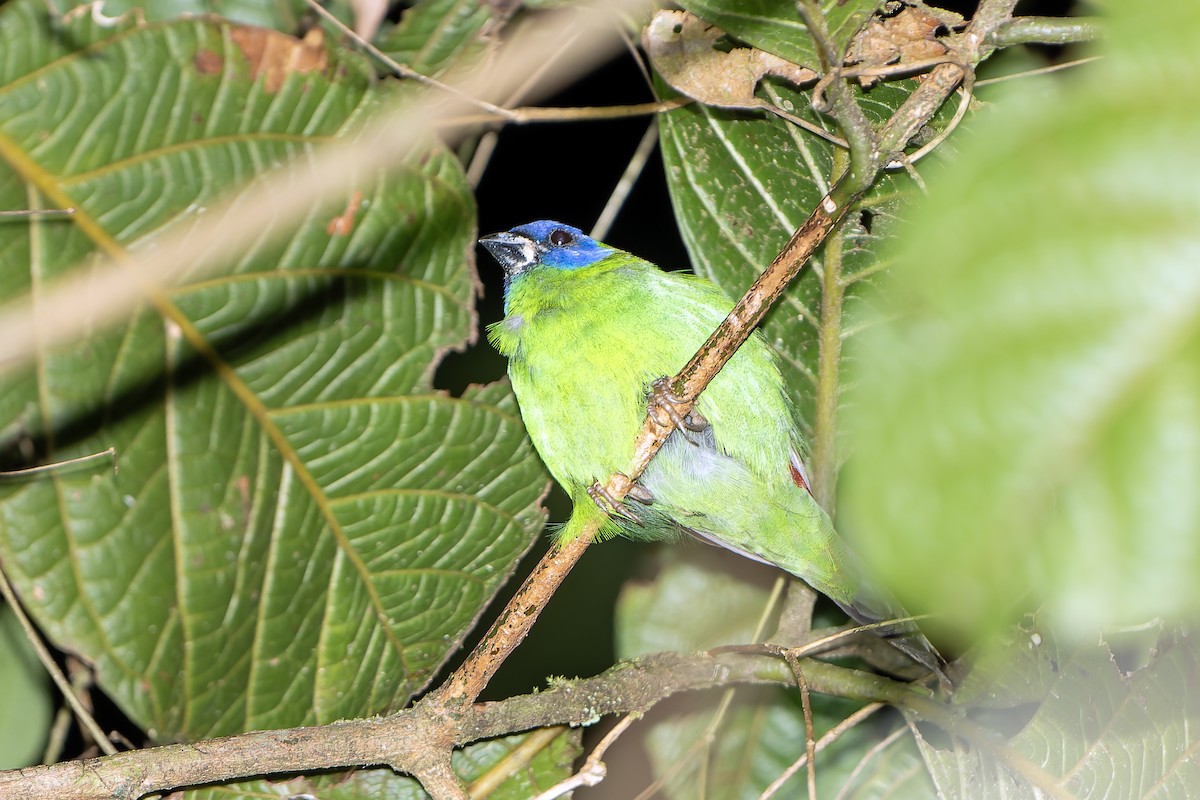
(588, 329)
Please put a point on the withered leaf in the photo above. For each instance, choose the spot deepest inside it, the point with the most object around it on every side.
(683, 49)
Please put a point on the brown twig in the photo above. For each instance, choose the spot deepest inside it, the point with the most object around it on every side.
(831, 736)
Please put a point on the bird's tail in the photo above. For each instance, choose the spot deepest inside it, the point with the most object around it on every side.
(903, 634)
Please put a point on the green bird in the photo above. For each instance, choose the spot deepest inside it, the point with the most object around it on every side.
(587, 331)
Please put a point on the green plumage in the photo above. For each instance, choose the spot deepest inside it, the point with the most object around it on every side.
(587, 329)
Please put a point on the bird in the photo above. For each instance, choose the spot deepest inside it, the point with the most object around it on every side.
(589, 332)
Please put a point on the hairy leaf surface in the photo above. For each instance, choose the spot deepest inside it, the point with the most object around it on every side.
(301, 528)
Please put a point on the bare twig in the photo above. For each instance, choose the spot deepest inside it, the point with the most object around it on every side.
(59, 466)
(832, 735)
(1030, 73)
(403, 70)
(85, 718)
(625, 185)
(875, 750)
(593, 770)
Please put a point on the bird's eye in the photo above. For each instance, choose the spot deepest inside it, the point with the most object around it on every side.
(560, 238)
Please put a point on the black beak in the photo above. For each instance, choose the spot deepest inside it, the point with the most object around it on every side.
(516, 253)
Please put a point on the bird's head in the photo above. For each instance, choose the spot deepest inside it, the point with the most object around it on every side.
(546, 244)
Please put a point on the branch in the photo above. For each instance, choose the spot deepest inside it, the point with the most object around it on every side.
(418, 740)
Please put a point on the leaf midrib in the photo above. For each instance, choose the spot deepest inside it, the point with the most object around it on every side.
(39, 178)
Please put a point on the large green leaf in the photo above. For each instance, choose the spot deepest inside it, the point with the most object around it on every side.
(693, 604)
(1029, 426)
(301, 528)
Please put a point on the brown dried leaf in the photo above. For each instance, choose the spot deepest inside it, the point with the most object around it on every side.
(681, 47)
(276, 55)
(904, 38)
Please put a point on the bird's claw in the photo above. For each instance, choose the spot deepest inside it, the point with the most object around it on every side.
(610, 505)
(664, 401)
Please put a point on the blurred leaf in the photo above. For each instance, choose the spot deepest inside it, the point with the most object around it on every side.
(1072, 711)
(694, 604)
(282, 15)
(1028, 428)
(549, 765)
(301, 528)
(777, 27)
(25, 697)
(435, 35)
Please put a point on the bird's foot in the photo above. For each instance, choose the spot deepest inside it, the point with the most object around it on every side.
(610, 505)
(664, 401)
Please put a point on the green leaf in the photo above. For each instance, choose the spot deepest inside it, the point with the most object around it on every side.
(25, 699)
(777, 27)
(1028, 426)
(301, 528)
(434, 35)
(1071, 710)
(478, 765)
(695, 603)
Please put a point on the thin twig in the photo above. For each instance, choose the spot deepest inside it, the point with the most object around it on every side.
(593, 770)
(482, 157)
(528, 115)
(512, 626)
(1030, 73)
(403, 70)
(24, 213)
(868, 756)
(57, 466)
(810, 739)
(832, 735)
(629, 177)
(964, 103)
(86, 720)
